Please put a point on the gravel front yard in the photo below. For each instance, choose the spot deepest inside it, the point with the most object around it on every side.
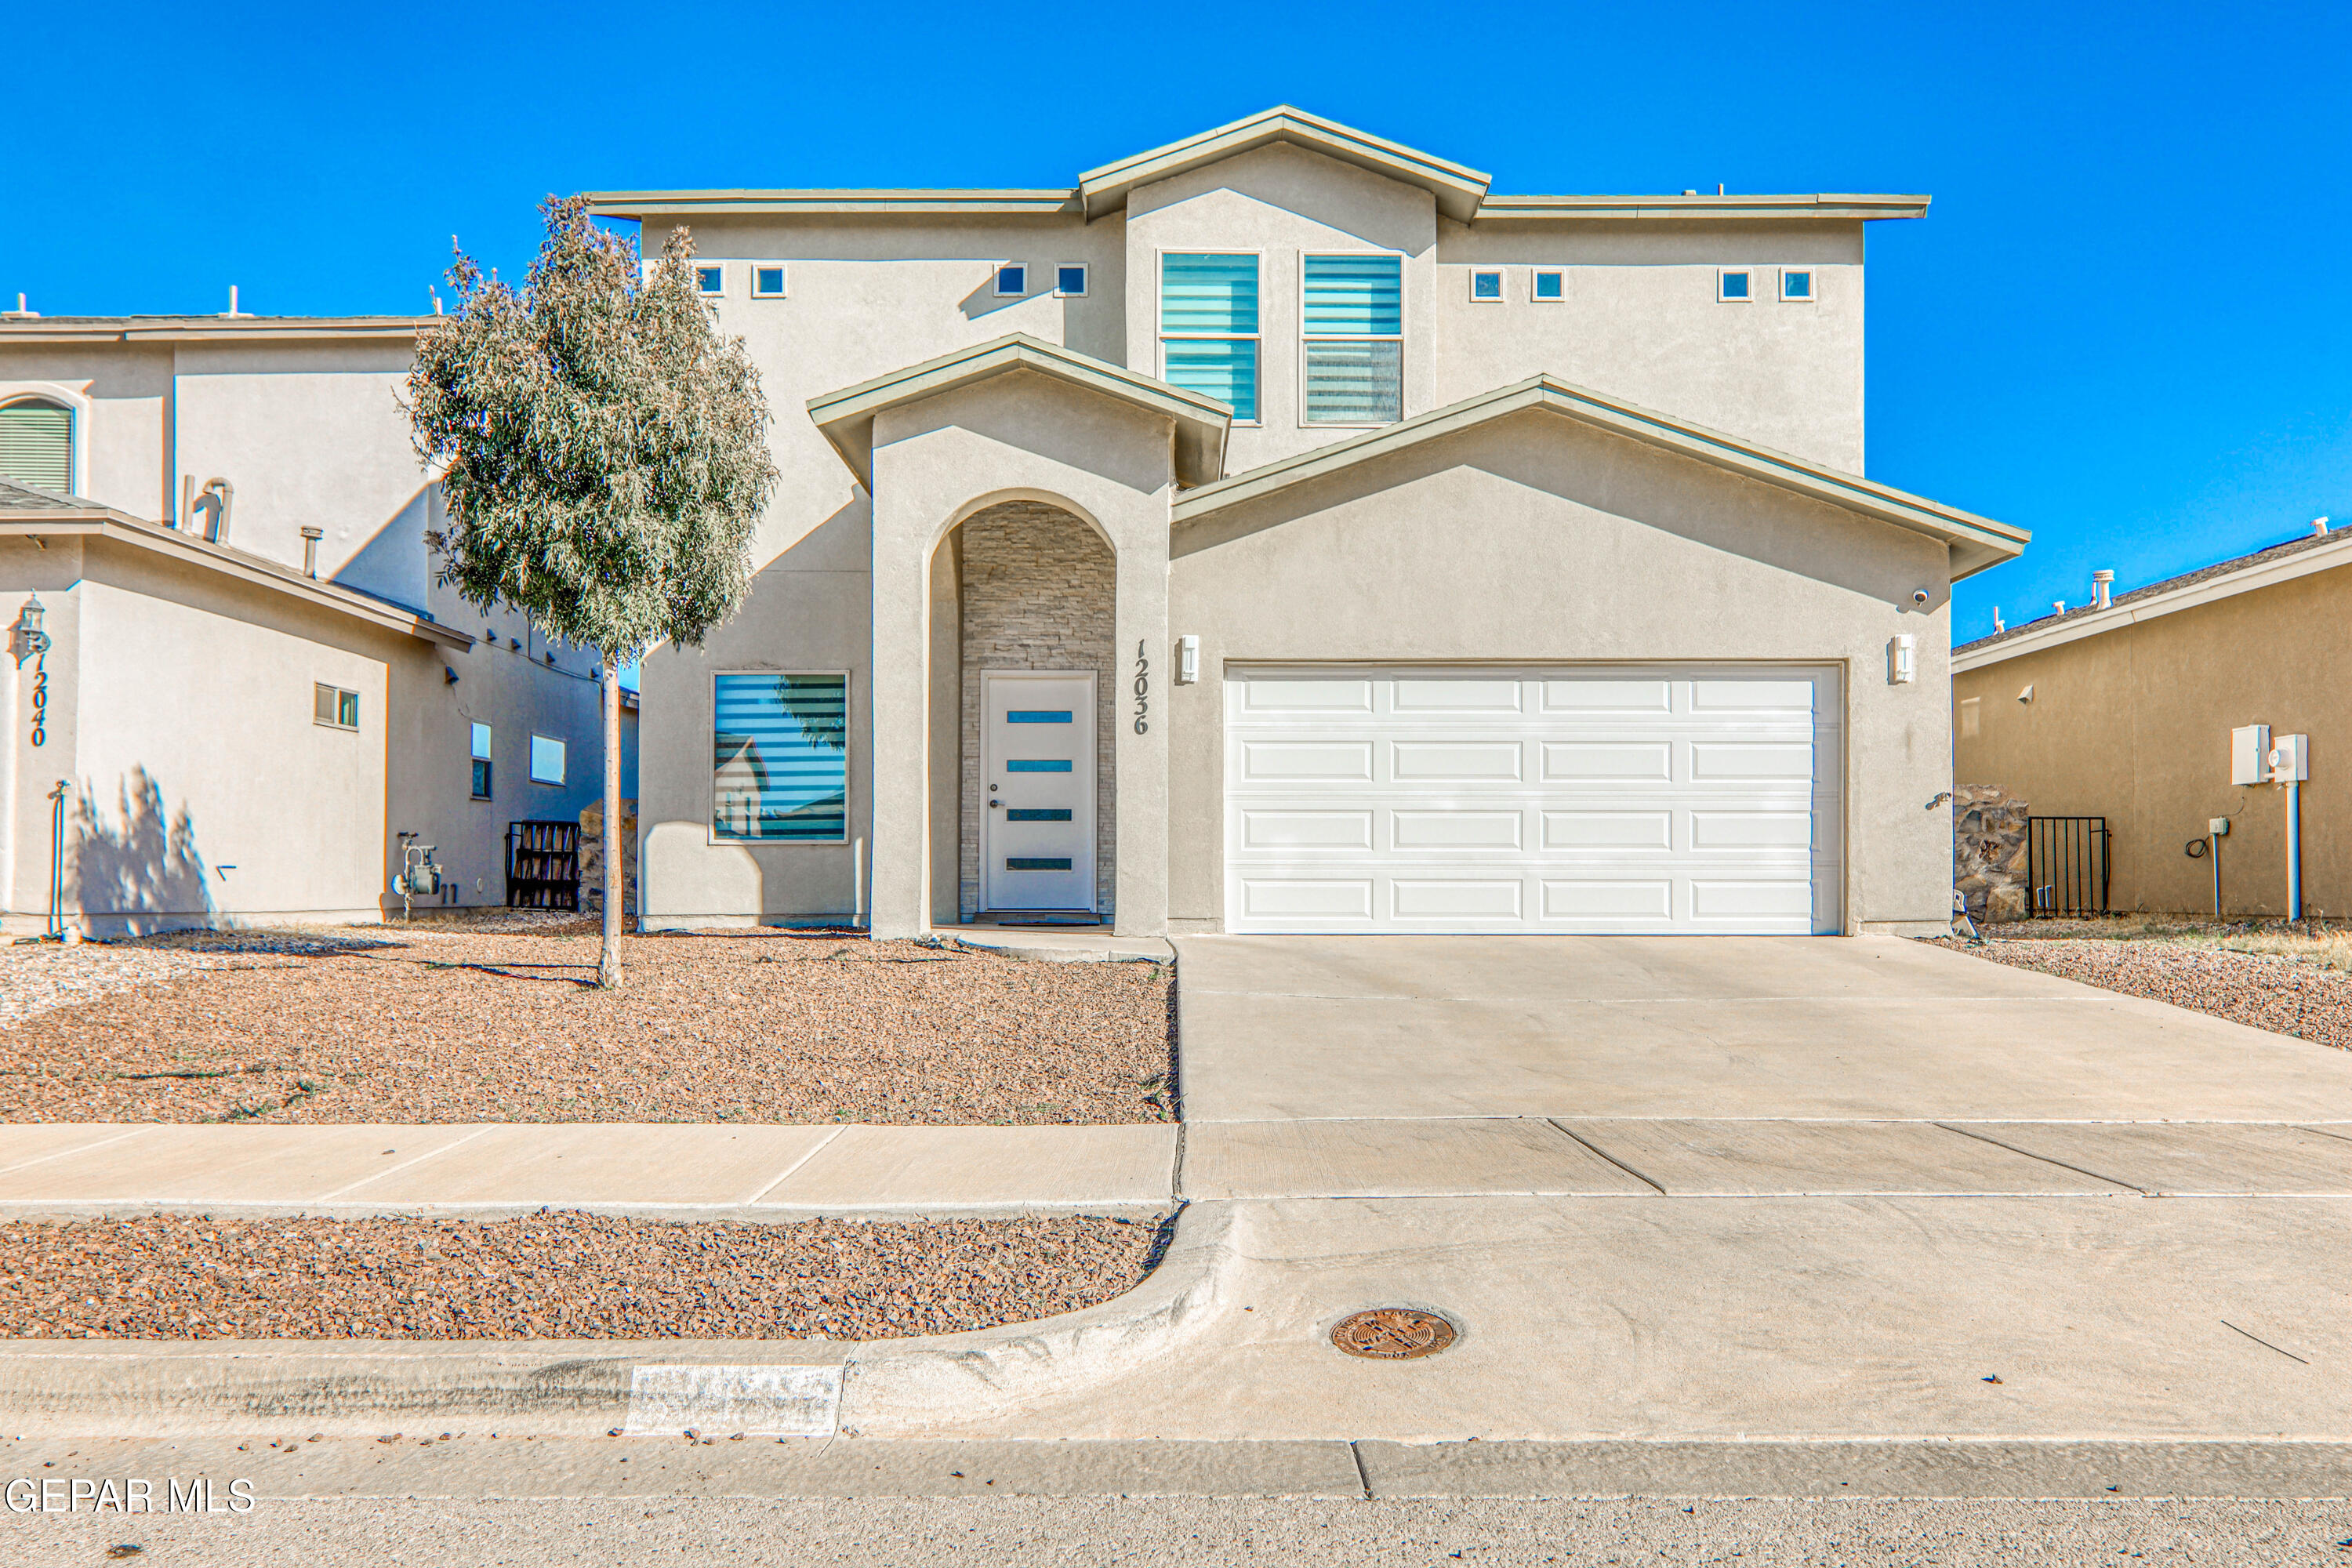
(555, 1276)
(426, 1025)
(2285, 996)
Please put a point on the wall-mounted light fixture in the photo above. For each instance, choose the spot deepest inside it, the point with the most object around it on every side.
(1902, 659)
(30, 639)
(1188, 660)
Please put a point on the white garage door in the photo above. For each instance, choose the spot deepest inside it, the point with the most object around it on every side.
(1668, 799)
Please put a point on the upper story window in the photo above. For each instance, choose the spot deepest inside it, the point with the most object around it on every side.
(1352, 314)
(546, 760)
(1487, 288)
(1547, 288)
(335, 707)
(36, 444)
(1796, 283)
(1732, 285)
(1070, 280)
(1012, 280)
(481, 761)
(710, 277)
(768, 281)
(1208, 327)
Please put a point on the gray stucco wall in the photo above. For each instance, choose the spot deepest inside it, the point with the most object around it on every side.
(1037, 594)
(1534, 539)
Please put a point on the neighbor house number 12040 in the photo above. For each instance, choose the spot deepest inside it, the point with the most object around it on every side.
(1143, 690)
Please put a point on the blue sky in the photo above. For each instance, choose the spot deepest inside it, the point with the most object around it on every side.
(2121, 326)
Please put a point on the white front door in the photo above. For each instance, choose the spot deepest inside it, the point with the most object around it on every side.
(1037, 778)
(1567, 799)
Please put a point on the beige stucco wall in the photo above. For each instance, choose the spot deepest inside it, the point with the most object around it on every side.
(1640, 319)
(1533, 539)
(2134, 725)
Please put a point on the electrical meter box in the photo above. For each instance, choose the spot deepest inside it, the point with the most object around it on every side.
(2290, 759)
(2250, 754)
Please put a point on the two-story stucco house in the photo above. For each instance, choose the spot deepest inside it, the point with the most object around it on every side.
(1281, 531)
(235, 691)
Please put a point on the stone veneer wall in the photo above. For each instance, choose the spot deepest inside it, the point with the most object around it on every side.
(1038, 590)
(1988, 852)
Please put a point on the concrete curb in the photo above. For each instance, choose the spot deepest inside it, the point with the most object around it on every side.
(584, 1387)
(1039, 953)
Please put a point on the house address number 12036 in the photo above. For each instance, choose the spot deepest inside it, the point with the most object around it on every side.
(1143, 690)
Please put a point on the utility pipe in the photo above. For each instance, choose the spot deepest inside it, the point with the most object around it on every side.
(2294, 850)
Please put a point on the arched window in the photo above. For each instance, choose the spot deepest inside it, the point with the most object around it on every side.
(36, 444)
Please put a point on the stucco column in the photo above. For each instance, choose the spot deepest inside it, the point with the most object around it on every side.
(1145, 669)
(901, 709)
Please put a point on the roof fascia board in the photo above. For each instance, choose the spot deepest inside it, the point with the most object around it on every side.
(1840, 208)
(2269, 574)
(846, 418)
(1456, 186)
(1976, 541)
(121, 529)
(821, 203)
(391, 329)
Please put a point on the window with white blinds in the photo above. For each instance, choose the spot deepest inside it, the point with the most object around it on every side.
(1208, 327)
(36, 445)
(1352, 317)
(780, 762)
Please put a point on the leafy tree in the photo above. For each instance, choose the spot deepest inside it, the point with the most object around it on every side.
(604, 459)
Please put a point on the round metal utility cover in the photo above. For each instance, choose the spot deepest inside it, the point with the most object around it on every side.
(1392, 1334)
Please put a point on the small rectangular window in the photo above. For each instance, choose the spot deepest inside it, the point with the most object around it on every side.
(1487, 288)
(546, 760)
(768, 282)
(1352, 309)
(335, 707)
(1731, 287)
(779, 760)
(1547, 287)
(1796, 283)
(1070, 280)
(1012, 280)
(710, 277)
(481, 761)
(1208, 327)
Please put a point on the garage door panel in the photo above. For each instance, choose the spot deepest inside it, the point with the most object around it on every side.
(1537, 800)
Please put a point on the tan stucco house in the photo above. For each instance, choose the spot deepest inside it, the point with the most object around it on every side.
(1282, 531)
(235, 691)
(2124, 707)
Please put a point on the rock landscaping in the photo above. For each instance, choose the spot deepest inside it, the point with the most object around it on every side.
(555, 1276)
(442, 1023)
(2295, 988)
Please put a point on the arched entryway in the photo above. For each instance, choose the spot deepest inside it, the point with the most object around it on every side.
(1033, 588)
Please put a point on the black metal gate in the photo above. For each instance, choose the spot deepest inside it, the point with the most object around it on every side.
(2066, 866)
(543, 866)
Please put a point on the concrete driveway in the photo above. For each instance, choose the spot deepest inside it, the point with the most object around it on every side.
(1868, 1029)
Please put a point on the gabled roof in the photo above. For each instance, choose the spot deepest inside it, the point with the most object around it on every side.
(846, 416)
(1975, 543)
(1457, 187)
(28, 512)
(2262, 568)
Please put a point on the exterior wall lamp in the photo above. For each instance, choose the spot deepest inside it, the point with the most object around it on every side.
(30, 639)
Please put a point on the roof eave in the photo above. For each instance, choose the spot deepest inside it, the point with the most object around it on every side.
(102, 522)
(1696, 209)
(1975, 543)
(226, 329)
(1457, 187)
(641, 204)
(846, 418)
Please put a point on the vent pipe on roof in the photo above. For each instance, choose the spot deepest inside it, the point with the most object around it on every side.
(231, 301)
(2101, 583)
(2319, 524)
(2059, 605)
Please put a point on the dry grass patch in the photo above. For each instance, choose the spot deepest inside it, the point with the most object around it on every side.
(438, 1025)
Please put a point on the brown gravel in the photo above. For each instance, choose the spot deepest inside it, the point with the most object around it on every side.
(555, 1276)
(2284, 995)
(439, 1026)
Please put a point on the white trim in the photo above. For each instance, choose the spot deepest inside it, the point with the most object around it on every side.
(1086, 279)
(1160, 337)
(1535, 297)
(337, 722)
(1812, 277)
(77, 405)
(2245, 580)
(711, 837)
(996, 280)
(785, 278)
(1723, 276)
(1403, 314)
(699, 264)
(1502, 277)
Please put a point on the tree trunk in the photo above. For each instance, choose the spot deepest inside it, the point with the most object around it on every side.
(608, 964)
